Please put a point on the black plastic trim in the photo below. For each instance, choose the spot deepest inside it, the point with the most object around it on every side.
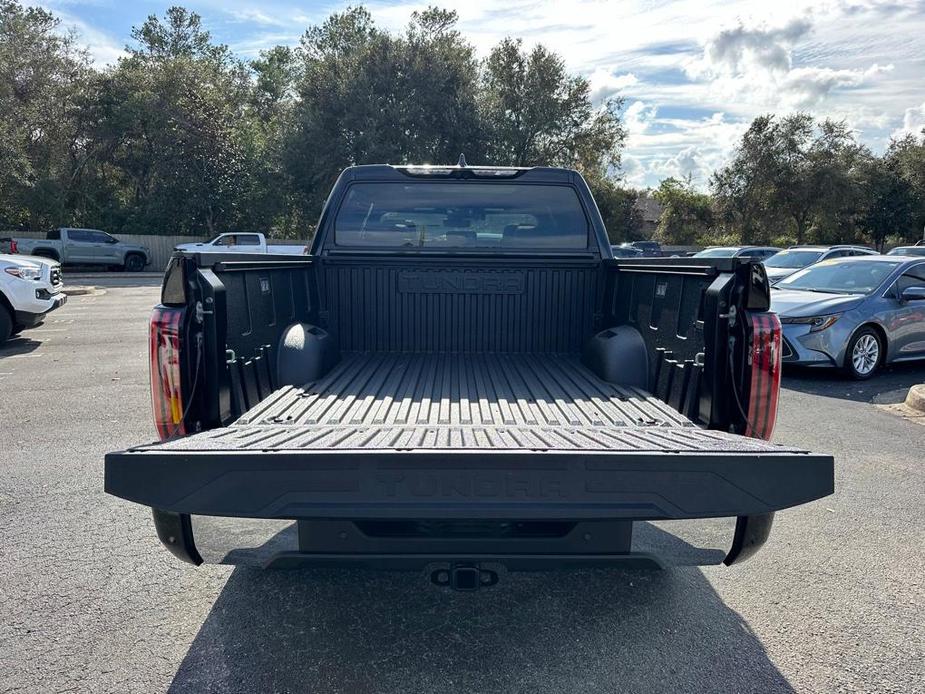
(175, 532)
(468, 484)
(417, 562)
(750, 535)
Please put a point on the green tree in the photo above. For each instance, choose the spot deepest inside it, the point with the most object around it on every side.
(889, 200)
(687, 215)
(45, 86)
(366, 96)
(535, 113)
(743, 189)
(906, 156)
(618, 209)
(175, 130)
(792, 177)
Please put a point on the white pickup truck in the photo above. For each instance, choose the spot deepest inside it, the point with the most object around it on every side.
(30, 287)
(241, 242)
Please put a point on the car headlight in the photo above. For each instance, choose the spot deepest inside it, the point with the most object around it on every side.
(816, 323)
(25, 273)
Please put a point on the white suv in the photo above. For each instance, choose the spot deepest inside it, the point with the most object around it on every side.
(30, 287)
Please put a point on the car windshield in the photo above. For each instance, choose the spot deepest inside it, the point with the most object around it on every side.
(793, 259)
(908, 250)
(717, 253)
(840, 276)
(461, 215)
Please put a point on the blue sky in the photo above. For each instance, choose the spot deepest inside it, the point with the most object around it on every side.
(693, 72)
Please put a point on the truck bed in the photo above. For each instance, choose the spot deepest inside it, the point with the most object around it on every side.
(447, 435)
(437, 401)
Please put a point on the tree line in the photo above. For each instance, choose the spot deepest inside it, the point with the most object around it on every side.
(181, 136)
(794, 180)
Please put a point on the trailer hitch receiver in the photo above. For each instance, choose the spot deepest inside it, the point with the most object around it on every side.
(464, 577)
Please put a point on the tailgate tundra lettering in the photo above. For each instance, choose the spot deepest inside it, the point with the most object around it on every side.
(482, 485)
(461, 283)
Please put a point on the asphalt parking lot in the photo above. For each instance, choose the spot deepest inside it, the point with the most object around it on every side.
(90, 602)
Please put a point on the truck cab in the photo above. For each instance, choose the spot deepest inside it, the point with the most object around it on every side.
(460, 377)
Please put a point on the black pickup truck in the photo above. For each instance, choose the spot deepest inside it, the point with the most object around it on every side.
(461, 377)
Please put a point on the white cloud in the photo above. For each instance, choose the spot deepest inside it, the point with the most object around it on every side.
(605, 83)
(252, 15)
(913, 122)
(741, 50)
(694, 72)
(102, 48)
(757, 64)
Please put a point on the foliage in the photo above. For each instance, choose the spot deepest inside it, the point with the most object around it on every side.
(687, 215)
(796, 180)
(45, 86)
(181, 136)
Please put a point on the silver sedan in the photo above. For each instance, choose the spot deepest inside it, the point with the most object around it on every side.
(854, 313)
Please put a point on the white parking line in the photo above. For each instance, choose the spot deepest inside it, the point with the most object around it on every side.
(47, 330)
(23, 356)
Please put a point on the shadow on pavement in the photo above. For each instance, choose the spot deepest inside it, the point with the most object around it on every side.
(18, 345)
(365, 631)
(887, 387)
(115, 280)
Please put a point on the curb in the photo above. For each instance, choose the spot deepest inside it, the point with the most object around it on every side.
(915, 400)
(79, 291)
(110, 275)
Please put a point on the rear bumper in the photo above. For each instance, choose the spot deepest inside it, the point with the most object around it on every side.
(265, 543)
(455, 485)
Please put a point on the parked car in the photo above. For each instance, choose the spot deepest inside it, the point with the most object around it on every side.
(241, 242)
(754, 252)
(625, 251)
(795, 258)
(72, 246)
(438, 386)
(855, 313)
(908, 250)
(29, 288)
(650, 249)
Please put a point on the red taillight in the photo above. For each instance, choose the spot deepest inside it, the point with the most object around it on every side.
(14, 247)
(164, 353)
(765, 375)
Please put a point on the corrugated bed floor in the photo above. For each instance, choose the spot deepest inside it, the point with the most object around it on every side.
(464, 401)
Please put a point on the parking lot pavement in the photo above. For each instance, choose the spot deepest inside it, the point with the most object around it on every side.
(89, 601)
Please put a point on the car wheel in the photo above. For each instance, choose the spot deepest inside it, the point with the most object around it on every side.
(6, 324)
(864, 354)
(134, 263)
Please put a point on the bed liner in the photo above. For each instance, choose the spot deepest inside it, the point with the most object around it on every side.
(408, 401)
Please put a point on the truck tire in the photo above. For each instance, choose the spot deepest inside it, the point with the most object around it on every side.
(134, 262)
(6, 324)
(865, 353)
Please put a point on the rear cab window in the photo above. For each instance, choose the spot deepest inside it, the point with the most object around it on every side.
(465, 215)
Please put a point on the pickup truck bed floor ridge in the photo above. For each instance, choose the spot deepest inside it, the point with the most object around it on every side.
(510, 401)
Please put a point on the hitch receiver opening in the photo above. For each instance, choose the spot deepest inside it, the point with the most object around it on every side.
(464, 577)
